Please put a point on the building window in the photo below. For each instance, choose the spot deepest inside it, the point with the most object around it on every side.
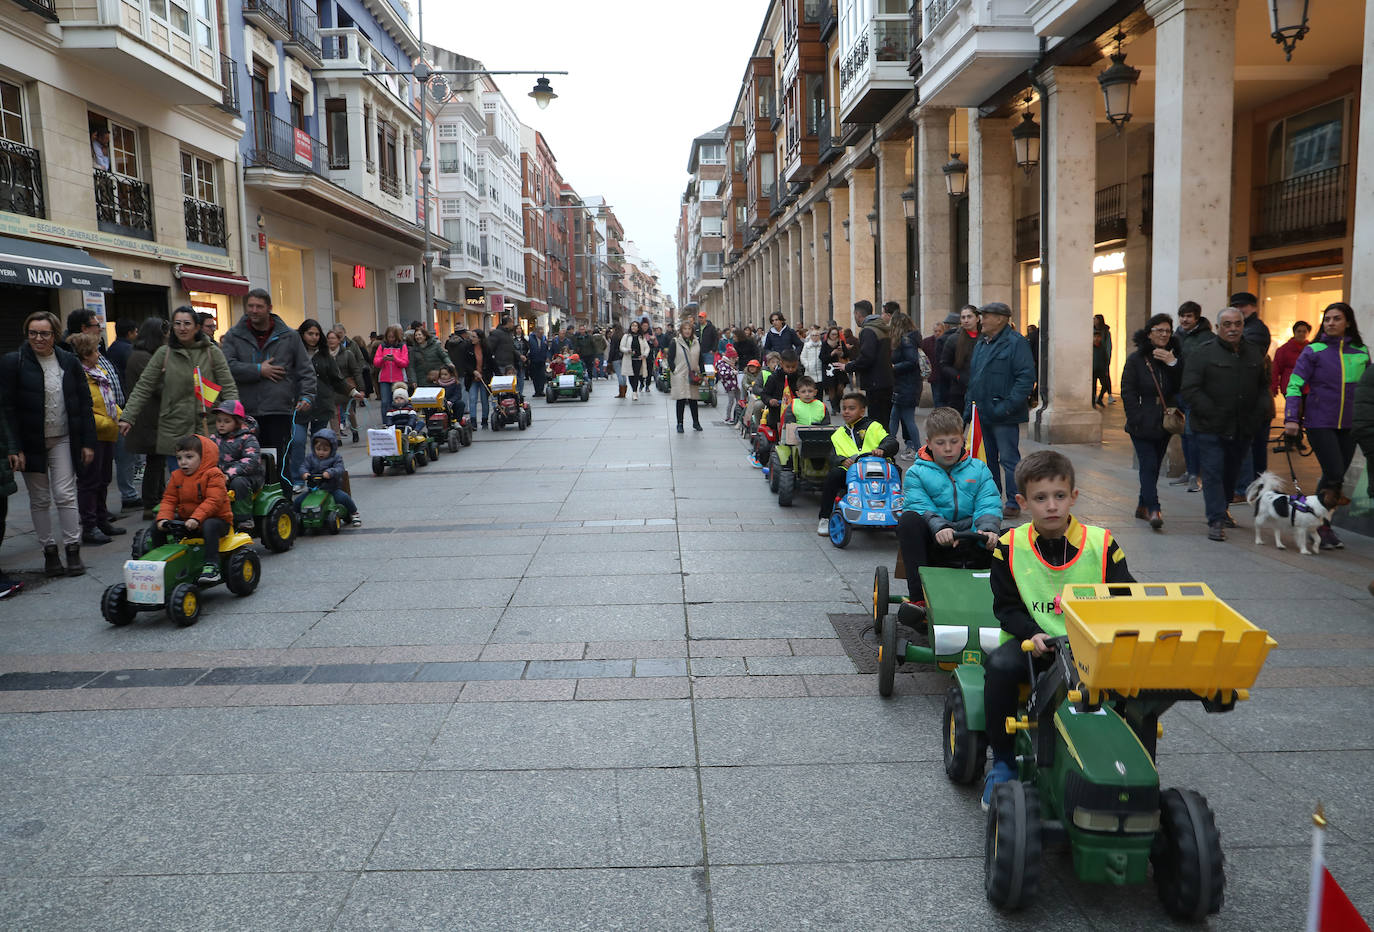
(710, 189)
(1308, 142)
(336, 130)
(710, 226)
(739, 155)
(124, 151)
(297, 108)
(12, 113)
(448, 131)
(258, 83)
(450, 207)
(198, 178)
(448, 158)
(713, 155)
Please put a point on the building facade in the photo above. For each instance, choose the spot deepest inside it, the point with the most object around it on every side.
(701, 251)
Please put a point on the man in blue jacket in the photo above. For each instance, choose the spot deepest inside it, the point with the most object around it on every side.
(1001, 376)
(539, 358)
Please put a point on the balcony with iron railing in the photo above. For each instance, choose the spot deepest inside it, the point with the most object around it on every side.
(389, 184)
(305, 33)
(873, 70)
(21, 179)
(205, 223)
(1304, 209)
(277, 144)
(44, 8)
(271, 16)
(1147, 203)
(349, 50)
(123, 205)
(450, 166)
(1109, 213)
(915, 32)
(969, 50)
(229, 77)
(1026, 241)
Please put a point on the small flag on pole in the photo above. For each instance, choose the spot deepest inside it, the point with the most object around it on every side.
(207, 392)
(1328, 908)
(974, 440)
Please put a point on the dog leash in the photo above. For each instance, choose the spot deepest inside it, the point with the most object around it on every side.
(1297, 502)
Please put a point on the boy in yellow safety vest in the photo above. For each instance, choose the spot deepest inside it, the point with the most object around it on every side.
(1030, 567)
(860, 435)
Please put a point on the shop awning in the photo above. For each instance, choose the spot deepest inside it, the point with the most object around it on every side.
(212, 281)
(25, 262)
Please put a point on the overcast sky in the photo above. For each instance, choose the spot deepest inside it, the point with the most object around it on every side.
(646, 78)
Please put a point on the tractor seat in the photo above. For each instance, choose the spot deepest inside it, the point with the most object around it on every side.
(269, 463)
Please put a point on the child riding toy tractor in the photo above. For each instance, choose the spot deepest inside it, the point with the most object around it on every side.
(171, 577)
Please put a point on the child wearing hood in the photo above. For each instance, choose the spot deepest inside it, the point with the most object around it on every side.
(197, 495)
(240, 456)
(324, 460)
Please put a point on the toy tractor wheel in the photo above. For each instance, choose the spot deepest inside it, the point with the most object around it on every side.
(787, 487)
(586, 391)
(1011, 852)
(520, 420)
(1186, 856)
(881, 590)
(774, 472)
(421, 456)
(244, 570)
(466, 439)
(888, 661)
(279, 528)
(115, 607)
(453, 440)
(184, 605)
(378, 466)
(550, 394)
(432, 450)
(841, 531)
(142, 543)
(409, 463)
(965, 751)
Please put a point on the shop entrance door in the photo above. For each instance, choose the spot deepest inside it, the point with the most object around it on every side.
(136, 301)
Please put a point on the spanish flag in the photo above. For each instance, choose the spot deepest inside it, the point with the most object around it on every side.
(974, 441)
(1328, 908)
(207, 392)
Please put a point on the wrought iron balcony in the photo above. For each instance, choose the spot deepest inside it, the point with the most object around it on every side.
(1109, 213)
(123, 205)
(1027, 239)
(305, 31)
(277, 144)
(856, 62)
(915, 33)
(21, 179)
(1147, 203)
(1302, 209)
(271, 15)
(44, 8)
(450, 166)
(937, 10)
(204, 223)
(390, 184)
(229, 77)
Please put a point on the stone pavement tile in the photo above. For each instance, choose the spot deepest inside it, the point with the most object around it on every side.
(626, 590)
(738, 647)
(1281, 676)
(61, 700)
(1340, 779)
(47, 820)
(877, 894)
(68, 679)
(179, 697)
(426, 567)
(323, 694)
(244, 822)
(577, 669)
(1298, 719)
(152, 631)
(543, 819)
(277, 594)
(188, 901)
(718, 666)
(794, 815)
(253, 676)
(1328, 658)
(818, 647)
(760, 620)
(525, 650)
(657, 687)
(123, 679)
(429, 653)
(325, 655)
(818, 730)
(754, 541)
(590, 622)
(363, 673)
(792, 666)
(1280, 585)
(840, 684)
(661, 667)
(646, 540)
(96, 743)
(437, 596)
(1354, 676)
(512, 736)
(470, 670)
(403, 693)
(418, 626)
(598, 564)
(647, 899)
(517, 690)
(747, 687)
(1291, 620)
(623, 650)
(447, 544)
(1251, 808)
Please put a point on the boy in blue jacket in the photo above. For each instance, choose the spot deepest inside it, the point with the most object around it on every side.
(946, 490)
(324, 460)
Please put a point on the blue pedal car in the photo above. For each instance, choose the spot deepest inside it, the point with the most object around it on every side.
(872, 499)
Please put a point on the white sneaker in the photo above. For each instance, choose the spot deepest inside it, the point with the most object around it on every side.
(634, 396)
(823, 529)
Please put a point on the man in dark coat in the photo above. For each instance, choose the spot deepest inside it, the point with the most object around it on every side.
(538, 354)
(501, 347)
(781, 337)
(1000, 378)
(873, 362)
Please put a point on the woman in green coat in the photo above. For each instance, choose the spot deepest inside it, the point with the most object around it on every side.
(427, 357)
(169, 382)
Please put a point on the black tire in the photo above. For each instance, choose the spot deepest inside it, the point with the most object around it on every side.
(279, 527)
(520, 420)
(881, 591)
(965, 751)
(787, 487)
(466, 439)
(888, 661)
(244, 571)
(432, 450)
(115, 607)
(774, 472)
(332, 523)
(550, 395)
(421, 456)
(711, 399)
(409, 463)
(586, 391)
(453, 440)
(183, 606)
(142, 543)
(378, 466)
(1189, 871)
(1011, 848)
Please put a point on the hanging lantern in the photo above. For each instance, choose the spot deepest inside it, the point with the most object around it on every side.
(1117, 82)
(872, 223)
(1287, 23)
(845, 224)
(909, 204)
(956, 176)
(1025, 139)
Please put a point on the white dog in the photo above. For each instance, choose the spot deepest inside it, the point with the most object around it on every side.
(1273, 505)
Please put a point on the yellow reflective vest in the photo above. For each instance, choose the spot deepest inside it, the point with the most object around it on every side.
(857, 440)
(1039, 582)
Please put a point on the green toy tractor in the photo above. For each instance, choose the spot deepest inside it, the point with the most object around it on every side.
(268, 512)
(319, 509)
(167, 577)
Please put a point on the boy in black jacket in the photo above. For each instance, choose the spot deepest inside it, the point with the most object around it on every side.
(324, 460)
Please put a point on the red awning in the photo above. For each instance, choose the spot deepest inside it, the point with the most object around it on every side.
(212, 281)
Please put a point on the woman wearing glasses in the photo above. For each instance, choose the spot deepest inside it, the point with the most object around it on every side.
(47, 410)
(1149, 384)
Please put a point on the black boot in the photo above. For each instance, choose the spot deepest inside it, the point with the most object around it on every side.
(52, 564)
(74, 565)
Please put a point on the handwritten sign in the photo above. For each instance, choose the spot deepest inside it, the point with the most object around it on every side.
(144, 581)
(567, 381)
(383, 442)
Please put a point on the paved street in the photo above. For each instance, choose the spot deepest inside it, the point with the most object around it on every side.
(584, 677)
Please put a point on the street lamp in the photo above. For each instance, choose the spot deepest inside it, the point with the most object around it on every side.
(1287, 23)
(956, 176)
(825, 238)
(909, 204)
(543, 93)
(1117, 82)
(872, 223)
(1025, 140)
(845, 224)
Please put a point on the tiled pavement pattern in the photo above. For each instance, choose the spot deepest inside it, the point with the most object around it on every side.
(582, 677)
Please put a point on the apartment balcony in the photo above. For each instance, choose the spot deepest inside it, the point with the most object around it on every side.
(44, 8)
(1109, 214)
(205, 223)
(123, 205)
(279, 145)
(970, 50)
(126, 39)
(1302, 210)
(304, 41)
(229, 78)
(915, 33)
(1147, 203)
(389, 184)
(21, 179)
(828, 146)
(873, 73)
(829, 18)
(271, 16)
(1062, 17)
(1026, 241)
(346, 53)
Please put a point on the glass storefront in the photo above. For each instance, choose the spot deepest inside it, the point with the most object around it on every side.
(354, 307)
(1287, 297)
(287, 275)
(1109, 300)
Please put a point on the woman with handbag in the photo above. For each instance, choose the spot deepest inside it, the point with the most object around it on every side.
(1149, 386)
(684, 362)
